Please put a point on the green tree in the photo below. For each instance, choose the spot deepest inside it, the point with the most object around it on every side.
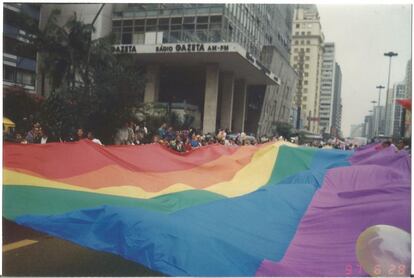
(21, 107)
(283, 129)
(91, 87)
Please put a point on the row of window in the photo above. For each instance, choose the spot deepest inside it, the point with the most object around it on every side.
(296, 42)
(296, 58)
(303, 25)
(14, 75)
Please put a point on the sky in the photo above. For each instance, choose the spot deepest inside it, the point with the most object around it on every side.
(362, 34)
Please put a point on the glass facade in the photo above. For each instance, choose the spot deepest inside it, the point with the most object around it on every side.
(250, 25)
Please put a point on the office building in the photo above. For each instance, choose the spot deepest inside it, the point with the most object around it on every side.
(210, 56)
(229, 63)
(306, 58)
(330, 95)
(368, 127)
(19, 55)
(396, 110)
(336, 121)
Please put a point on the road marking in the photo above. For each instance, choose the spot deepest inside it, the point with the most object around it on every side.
(18, 244)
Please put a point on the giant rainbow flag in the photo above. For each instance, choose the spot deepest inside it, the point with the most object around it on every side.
(269, 210)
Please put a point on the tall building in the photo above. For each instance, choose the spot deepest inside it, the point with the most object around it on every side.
(307, 60)
(19, 55)
(408, 78)
(408, 88)
(393, 121)
(211, 56)
(397, 110)
(330, 95)
(368, 127)
(336, 121)
(378, 120)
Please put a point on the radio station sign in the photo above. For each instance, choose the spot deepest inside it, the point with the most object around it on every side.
(170, 48)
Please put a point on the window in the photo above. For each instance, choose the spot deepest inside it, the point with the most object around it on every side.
(307, 50)
(202, 19)
(307, 58)
(308, 33)
(306, 66)
(189, 19)
(302, 42)
(305, 82)
(215, 19)
(296, 33)
(308, 42)
(297, 25)
(25, 78)
(152, 21)
(9, 74)
(127, 23)
(176, 20)
(126, 38)
(302, 33)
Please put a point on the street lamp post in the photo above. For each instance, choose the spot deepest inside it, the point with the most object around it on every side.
(388, 54)
(379, 87)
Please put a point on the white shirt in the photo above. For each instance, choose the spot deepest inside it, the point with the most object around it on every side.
(43, 140)
(97, 141)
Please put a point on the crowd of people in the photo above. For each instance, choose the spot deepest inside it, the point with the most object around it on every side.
(179, 140)
(182, 140)
(40, 135)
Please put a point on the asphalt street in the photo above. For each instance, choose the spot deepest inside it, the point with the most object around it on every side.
(30, 253)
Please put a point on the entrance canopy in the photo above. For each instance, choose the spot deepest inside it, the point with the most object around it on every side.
(229, 56)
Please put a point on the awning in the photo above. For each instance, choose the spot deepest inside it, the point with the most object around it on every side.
(8, 122)
(229, 56)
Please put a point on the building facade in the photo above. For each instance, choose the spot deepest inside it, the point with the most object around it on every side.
(396, 111)
(210, 56)
(19, 55)
(337, 104)
(378, 120)
(306, 59)
(327, 88)
(368, 127)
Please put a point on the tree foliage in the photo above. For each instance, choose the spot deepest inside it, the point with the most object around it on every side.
(283, 129)
(91, 87)
(20, 106)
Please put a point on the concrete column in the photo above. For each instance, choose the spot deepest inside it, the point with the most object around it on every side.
(227, 100)
(239, 105)
(152, 85)
(210, 98)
